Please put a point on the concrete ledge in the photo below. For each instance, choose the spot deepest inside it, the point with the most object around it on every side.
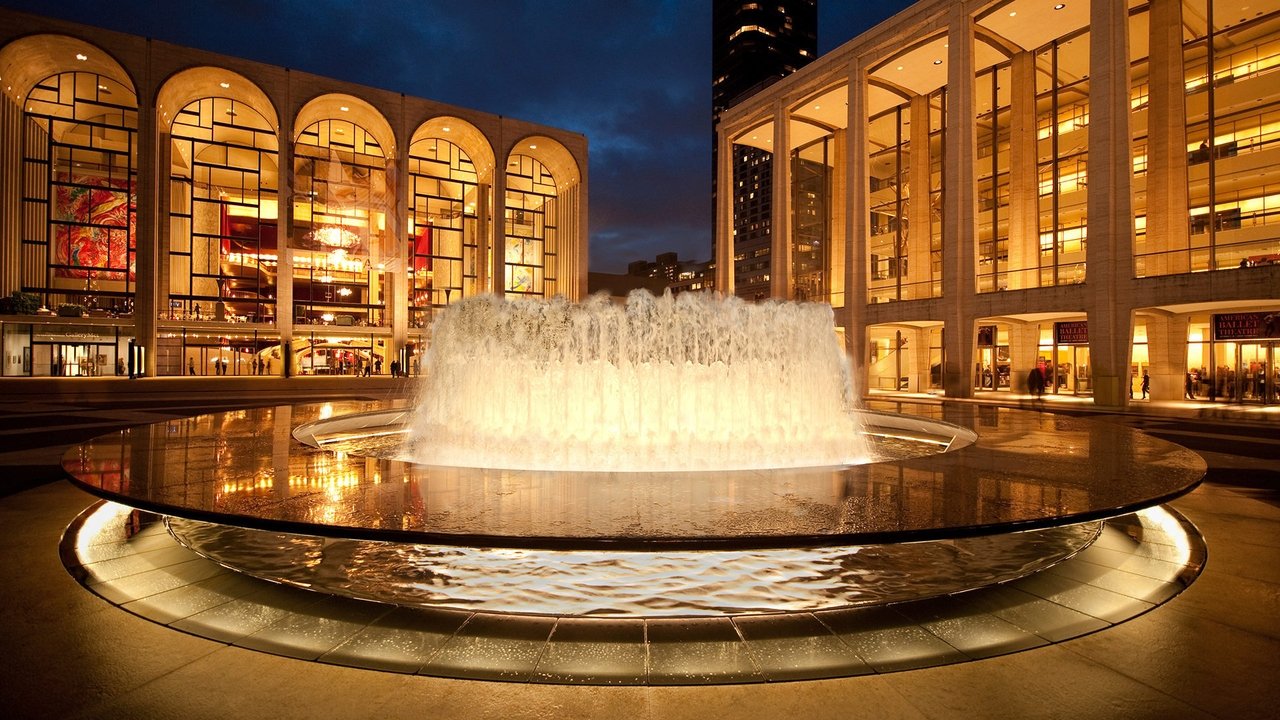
(235, 390)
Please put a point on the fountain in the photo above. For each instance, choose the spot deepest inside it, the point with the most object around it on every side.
(697, 382)
(674, 464)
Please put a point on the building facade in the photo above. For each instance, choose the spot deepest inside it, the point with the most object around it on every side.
(752, 46)
(1087, 189)
(165, 210)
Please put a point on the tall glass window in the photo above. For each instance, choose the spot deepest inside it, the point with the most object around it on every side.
(79, 196)
(937, 155)
(531, 255)
(811, 227)
(1139, 106)
(889, 139)
(442, 227)
(223, 246)
(339, 226)
(752, 221)
(992, 91)
(1062, 131)
(1233, 130)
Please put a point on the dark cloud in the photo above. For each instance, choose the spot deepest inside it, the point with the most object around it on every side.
(633, 76)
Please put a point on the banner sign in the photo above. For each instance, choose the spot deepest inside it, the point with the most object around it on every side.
(1246, 325)
(1075, 332)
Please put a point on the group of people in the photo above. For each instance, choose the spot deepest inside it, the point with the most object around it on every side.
(261, 366)
(1222, 383)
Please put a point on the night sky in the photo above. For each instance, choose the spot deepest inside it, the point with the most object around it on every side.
(634, 77)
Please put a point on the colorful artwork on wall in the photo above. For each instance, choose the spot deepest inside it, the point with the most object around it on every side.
(94, 228)
(519, 279)
(422, 249)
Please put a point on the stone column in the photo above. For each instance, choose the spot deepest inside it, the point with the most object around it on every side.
(398, 265)
(959, 210)
(10, 196)
(918, 211)
(857, 229)
(918, 348)
(284, 229)
(498, 240)
(781, 284)
(1167, 205)
(1109, 254)
(484, 235)
(838, 239)
(724, 214)
(1024, 348)
(1167, 353)
(1024, 184)
(164, 229)
(147, 236)
(580, 239)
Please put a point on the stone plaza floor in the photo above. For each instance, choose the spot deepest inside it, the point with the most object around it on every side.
(1213, 651)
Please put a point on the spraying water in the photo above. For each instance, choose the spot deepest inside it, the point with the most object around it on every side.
(696, 382)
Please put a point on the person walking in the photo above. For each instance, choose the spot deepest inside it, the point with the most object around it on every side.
(1146, 384)
(1035, 382)
(1189, 387)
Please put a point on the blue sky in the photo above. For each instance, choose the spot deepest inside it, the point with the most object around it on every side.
(634, 77)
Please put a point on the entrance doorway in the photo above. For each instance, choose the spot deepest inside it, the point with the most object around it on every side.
(60, 359)
(1246, 372)
(1257, 375)
(1069, 373)
(992, 368)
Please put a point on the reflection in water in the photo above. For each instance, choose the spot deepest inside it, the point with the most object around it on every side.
(1027, 471)
(632, 583)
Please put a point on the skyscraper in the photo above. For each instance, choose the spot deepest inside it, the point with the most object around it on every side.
(753, 45)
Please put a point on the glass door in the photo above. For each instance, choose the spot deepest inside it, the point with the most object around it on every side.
(1256, 375)
(985, 369)
(1083, 379)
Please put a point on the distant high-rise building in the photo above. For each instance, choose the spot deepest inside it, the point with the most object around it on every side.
(753, 45)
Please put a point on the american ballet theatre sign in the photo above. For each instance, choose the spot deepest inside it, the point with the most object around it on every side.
(1246, 325)
(1075, 332)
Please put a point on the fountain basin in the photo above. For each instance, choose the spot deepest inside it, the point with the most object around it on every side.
(1025, 470)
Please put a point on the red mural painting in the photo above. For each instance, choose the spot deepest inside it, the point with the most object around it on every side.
(94, 228)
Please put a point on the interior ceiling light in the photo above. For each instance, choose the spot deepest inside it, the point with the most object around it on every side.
(817, 107)
(224, 85)
(899, 67)
(344, 108)
(81, 57)
(532, 146)
(1013, 13)
(1059, 6)
(937, 62)
(445, 129)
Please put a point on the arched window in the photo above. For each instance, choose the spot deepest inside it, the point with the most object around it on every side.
(531, 222)
(442, 227)
(223, 247)
(79, 199)
(340, 214)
